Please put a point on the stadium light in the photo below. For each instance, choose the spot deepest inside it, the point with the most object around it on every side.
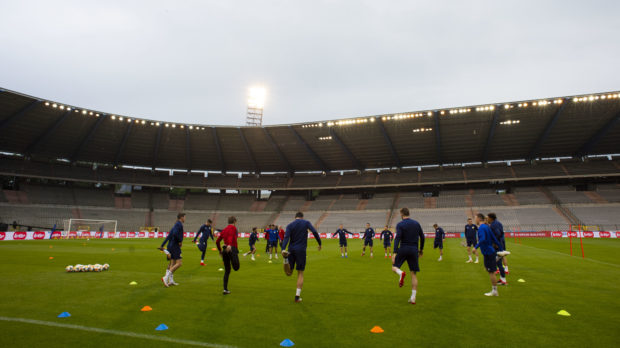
(113, 117)
(257, 97)
(120, 118)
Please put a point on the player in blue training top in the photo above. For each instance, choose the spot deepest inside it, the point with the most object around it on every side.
(252, 241)
(274, 238)
(342, 234)
(470, 236)
(440, 235)
(295, 257)
(174, 248)
(369, 235)
(498, 230)
(387, 237)
(408, 232)
(205, 231)
(490, 248)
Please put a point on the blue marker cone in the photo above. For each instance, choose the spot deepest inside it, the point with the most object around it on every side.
(161, 327)
(64, 315)
(287, 343)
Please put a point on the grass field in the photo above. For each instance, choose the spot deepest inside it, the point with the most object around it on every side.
(343, 298)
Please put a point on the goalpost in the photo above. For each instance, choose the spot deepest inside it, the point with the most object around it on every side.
(88, 228)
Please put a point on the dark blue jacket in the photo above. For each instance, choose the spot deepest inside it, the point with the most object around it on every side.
(206, 233)
(439, 233)
(388, 235)
(342, 234)
(408, 232)
(486, 239)
(297, 235)
(369, 233)
(498, 230)
(470, 231)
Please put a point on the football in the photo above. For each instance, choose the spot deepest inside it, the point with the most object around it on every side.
(69, 268)
(106, 267)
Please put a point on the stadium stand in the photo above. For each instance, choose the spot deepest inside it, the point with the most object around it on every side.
(533, 177)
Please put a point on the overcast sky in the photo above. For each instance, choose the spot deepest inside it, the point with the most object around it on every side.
(193, 61)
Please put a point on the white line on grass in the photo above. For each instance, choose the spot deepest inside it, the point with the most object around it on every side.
(115, 332)
(560, 253)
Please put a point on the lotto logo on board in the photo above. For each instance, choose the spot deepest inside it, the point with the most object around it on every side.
(132, 235)
(56, 234)
(573, 234)
(160, 234)
(122, 234)
(86, 234)
(142, 234)
(151, 234)
(19, 235)
(604, 234)
(588, 234)
(2, 235)
(556, 234)
(38, 235)
(72, 234)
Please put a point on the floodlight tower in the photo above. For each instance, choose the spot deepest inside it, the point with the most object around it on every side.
(256, 103)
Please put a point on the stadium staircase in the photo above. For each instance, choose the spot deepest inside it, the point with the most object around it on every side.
(362, 204)
(595, 197)
(510, 199)
(390, 215)
(326, 213)
(559, 208)
(431, 202)
(16, 197)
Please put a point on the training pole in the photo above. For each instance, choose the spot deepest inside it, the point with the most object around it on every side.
(570, 239)
(581, 242)
(514, 235)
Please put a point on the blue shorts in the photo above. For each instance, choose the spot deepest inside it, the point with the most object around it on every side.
(489, 262)
(252, 247)
(273, 243)
(343, 243)
(387, 244)
(297, 259)
(471, 242)
(410, 255)
(202, 246)
(367, 242)
(438, 244)
(175, 251)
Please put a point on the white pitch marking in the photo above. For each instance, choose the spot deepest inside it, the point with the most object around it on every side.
(115, 332)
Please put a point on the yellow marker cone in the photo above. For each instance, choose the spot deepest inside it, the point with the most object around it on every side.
(376, 329)
(214, 249)
(51, 246)
(112, 249)
(133, 283)
(146, 309)
(564, 313)
(521, 281)
(51, 257)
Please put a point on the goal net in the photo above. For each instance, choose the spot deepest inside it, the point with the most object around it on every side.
(88, 228)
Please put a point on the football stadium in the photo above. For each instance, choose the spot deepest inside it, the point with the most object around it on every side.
(194, 234)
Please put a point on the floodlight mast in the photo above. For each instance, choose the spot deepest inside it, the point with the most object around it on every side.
(256, 103)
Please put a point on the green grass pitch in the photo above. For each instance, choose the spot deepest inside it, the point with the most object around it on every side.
(343, 298)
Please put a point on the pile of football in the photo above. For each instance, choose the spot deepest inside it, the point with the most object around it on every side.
(87, 268)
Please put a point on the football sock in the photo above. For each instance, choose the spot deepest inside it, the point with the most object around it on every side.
(495, 288)
(285, 260)
(413, 293)
(270, 256)
(399, 272)
(298, 292)
(506, 268)
(370, 254)
(503, 279)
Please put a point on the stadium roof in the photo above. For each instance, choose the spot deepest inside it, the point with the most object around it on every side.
(570, 126)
